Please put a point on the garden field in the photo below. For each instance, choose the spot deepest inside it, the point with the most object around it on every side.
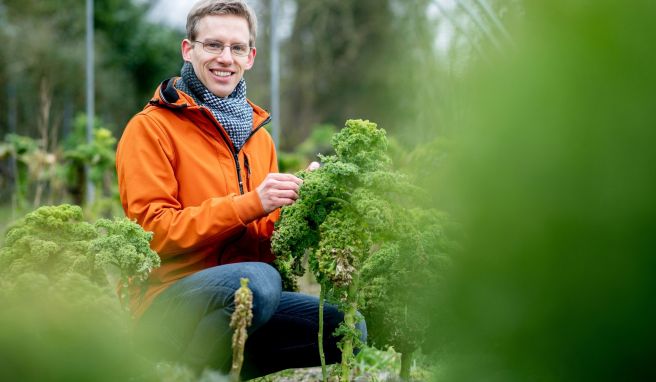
(485, 200)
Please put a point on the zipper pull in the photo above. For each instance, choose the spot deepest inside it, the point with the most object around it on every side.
(248, 171)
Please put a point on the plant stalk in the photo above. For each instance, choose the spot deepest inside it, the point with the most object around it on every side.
(349, 321)
(240, 320)
(406, 362)
(322, 296)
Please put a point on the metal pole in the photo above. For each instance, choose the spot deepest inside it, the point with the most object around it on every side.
(90, 194)
(12, 121)
(275, 74)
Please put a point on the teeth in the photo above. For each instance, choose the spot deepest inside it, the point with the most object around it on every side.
(221, 74)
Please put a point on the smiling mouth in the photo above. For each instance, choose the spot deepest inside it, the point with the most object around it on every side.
(221, 73)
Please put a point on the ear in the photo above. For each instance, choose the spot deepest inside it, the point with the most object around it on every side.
(251, 59)
(186, 48)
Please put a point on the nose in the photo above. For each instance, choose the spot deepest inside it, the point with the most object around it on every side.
(225, 56)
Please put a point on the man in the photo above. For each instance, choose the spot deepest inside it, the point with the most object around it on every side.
(197, 169)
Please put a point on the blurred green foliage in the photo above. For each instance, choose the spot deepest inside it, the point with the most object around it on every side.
(99, 155)
(554, 181)
(42, 74)
(61, 319)
(44, 175)
(44, 55)
(317, 143)
(364, 58)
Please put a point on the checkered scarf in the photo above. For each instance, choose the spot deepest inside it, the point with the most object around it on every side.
(233, 112)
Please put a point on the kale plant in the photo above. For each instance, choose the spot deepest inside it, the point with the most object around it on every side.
(53, 245)
(60, 313)
(240, 320)
(370, 246)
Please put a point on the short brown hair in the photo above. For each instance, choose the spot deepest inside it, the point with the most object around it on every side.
(221, 7)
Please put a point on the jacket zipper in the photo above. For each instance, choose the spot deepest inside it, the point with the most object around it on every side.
(248, 169)
(235, 154)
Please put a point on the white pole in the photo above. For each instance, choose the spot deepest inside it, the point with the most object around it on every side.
(275, 74)
(90, 194)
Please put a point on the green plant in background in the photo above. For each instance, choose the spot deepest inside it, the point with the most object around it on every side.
(59, 176)
(318, 143)
(427, 163)
(32, 165)
(400, 279)
(99, 155)
(355, 215)
(290, 162)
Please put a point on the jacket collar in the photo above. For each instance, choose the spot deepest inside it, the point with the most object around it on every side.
(168, 96)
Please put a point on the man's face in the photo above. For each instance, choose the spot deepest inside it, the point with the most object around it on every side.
(220, 73)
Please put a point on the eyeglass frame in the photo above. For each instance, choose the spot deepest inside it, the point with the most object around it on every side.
(223, 46)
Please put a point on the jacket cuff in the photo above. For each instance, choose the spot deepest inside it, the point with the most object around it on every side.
(249, 207)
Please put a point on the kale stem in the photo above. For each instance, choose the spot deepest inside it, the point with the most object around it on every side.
(322, 296)
(349, 321)
(406, 361)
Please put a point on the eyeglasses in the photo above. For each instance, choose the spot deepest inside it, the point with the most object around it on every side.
(216, 47)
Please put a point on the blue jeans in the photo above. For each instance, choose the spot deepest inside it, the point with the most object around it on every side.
(189, 322)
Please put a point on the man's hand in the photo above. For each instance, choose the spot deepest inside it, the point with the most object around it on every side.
(278, 190)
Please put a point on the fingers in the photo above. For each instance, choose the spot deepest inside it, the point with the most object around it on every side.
(284, 178)
(284, 194)
(276, 202)
(278, 190)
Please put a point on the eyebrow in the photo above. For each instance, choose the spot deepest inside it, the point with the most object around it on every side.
(211, 40)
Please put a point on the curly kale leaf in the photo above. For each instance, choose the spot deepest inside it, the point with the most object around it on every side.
(124, 244)
(363, 144)
(51, 240)
(53, 243)
(298, 227)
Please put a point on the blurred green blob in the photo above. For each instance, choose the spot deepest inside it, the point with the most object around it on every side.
(61, 319)
(318, 143)
(554, 180)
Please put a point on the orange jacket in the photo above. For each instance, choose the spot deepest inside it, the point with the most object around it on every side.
(179, 177)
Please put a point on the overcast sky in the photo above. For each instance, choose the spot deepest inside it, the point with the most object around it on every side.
(172, 12)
